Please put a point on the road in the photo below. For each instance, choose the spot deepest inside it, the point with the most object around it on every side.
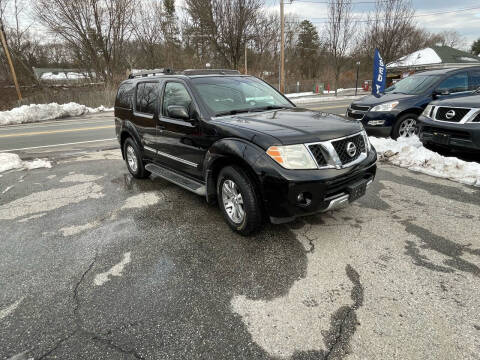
(98, 265)
(87, 131)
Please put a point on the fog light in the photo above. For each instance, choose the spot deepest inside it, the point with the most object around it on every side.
(304, 199)
(376, 122)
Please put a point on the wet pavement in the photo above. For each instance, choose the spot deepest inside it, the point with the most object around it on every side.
(98, 265)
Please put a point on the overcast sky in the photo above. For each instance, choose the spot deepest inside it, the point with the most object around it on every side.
(467, 23)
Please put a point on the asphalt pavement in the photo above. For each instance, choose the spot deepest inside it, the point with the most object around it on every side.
(98, 265)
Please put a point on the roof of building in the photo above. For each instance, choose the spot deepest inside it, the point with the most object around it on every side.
(435, 57)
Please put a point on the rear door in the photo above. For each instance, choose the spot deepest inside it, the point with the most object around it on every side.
(145, 114)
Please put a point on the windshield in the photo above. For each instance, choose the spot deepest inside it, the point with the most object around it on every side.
(236, 94)
(413, 85)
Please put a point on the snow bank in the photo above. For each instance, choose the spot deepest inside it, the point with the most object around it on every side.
(9, 161)
(320, 98)
(411, 154)
(43, 112)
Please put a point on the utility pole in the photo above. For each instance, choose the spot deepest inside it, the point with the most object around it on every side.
(356, 81)
(282, 48)
(246, 68)
(9, 59)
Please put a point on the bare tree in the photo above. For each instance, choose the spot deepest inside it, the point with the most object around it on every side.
(96, 30)
(390, 27)
(340, 33)
(226, 23)
(452, 38)
(148, 33)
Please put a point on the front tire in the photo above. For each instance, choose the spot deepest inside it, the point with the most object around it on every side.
(406, 125)
(239, 200)
(133, 158)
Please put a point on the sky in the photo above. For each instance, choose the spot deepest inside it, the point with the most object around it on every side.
(467, 23)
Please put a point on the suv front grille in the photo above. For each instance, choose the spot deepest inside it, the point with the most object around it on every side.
(317, 152)
(356, 116)
(459, 114)
(477, 118)
(341, 148)
(358, 107)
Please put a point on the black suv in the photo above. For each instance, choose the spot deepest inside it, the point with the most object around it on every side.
(395, 113)
(452, 124)
(234, 139)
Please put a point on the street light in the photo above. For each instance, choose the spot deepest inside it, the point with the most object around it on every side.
(356, 81)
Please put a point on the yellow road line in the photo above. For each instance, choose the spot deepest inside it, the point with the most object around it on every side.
(57, 131)
(331, 107)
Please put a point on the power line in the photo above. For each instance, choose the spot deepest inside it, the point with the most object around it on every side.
(316, 20)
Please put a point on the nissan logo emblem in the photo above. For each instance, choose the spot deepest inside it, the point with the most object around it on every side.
(450, 114)
(351, 149)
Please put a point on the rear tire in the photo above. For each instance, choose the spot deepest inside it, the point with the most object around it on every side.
(406, 125)
(133, 158)
(239, 200)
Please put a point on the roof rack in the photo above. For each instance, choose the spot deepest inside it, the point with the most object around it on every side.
(153, 72)
(210, 72)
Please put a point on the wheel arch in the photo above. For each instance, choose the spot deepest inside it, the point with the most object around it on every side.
(227, 152)
(127, 131)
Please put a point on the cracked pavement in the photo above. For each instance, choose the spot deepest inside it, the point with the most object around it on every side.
(393, 276)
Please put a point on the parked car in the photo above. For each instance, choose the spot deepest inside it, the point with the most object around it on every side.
(237, 141)
(452, 124)
(395, 113)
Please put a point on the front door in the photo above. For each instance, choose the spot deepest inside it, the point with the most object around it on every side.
(179, 141)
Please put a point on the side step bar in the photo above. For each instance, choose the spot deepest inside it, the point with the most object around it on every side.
(178, 179)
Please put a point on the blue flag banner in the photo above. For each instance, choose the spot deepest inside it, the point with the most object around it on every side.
(379, 75)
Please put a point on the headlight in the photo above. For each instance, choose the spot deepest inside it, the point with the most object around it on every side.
(292, 156)
(367, 141)
(427, 111)
(389, 106)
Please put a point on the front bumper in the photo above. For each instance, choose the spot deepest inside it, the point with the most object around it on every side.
(383, 129)
(327, 189)
(460, 136)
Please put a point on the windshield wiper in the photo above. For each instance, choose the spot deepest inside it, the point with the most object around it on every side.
(269, 107)
(232, 112)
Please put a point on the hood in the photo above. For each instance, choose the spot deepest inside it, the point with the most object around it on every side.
(371, 100)
(468, 101)
(291, 126)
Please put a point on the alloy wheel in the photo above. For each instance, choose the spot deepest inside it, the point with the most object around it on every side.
(132, 159)
(233, 201)
(408, 127)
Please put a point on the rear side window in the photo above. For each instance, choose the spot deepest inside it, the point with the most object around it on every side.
(455, 83)
(124, 97)
(474, 80)
(147, 97)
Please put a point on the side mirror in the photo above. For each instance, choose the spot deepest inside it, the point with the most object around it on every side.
(178, 112)
(437, 93)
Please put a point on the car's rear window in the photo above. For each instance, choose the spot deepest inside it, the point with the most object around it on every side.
(124, 97)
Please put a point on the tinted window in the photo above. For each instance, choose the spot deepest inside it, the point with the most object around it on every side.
(455, 83)
(147, 97)
(474, 80)
(412, 85)
(235, 93)
(125, 96)
(176, 94)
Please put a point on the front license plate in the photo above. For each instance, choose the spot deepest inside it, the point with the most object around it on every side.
(357, 190)
(440, 138)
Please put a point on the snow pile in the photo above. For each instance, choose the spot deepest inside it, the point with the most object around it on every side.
(313, 99)
(9, 161)
(411, 154)
(43, 112)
